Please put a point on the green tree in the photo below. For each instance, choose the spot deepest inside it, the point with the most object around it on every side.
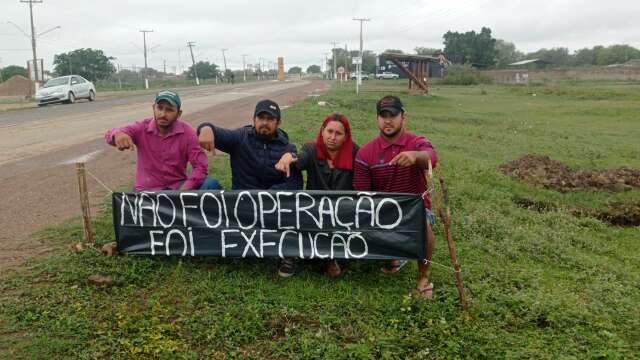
(12, 70)
(615, 54)
(397, 51)
(205, 70)
(313, 69)
(343, 58)
(477, 48)
(557, 56)
(127, 75)
(88, 63)
(368, 62)
(426, 51)
(295, 70)
(506, 53)
(584, 57)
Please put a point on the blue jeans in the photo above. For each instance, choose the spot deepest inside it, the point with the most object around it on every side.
(210, 183)
(429, 215)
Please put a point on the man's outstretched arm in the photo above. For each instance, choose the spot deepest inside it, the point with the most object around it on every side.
(124, 137)
(213, 137)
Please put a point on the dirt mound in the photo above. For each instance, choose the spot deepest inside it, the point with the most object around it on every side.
(540, 169)
(16, 85)
(621, 214)
(616, 213)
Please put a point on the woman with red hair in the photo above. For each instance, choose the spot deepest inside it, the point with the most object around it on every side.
(329, 165)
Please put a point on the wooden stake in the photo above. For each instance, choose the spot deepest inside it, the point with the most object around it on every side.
(445, 214)
(84, 202)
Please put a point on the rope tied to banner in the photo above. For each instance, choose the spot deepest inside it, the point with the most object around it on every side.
(441, 265)
(99, 182)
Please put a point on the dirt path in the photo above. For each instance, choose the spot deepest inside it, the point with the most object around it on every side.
(41, 190)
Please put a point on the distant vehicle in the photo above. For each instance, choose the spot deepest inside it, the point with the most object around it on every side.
(354, 76)
(387, 75)
(66, 89)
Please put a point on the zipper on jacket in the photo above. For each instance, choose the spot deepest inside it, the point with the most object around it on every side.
(266, 155)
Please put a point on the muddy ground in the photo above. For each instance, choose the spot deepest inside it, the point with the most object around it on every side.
(542, 170)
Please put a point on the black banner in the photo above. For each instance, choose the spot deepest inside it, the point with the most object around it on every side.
(302, 224)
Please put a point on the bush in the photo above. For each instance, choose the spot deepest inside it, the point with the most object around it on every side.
(464, 75)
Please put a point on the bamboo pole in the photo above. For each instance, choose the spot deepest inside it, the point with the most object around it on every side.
(84, 202)
(445, 214)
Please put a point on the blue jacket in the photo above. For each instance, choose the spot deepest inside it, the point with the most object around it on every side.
(253, 159)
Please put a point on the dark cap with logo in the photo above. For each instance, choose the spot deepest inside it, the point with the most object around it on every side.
(269, 107)
(169, 96)
(391, 104)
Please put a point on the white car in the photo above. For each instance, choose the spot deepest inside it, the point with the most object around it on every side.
(65, 89)
(363, 76)
(387, 75)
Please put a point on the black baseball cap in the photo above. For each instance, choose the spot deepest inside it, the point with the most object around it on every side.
(267, 106)
(391, 104)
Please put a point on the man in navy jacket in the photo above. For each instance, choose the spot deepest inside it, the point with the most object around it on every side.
(255, 150)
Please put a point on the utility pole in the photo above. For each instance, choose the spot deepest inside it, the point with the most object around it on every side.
(144, 41)
(119, 78)
(224, 59)
(33, 40)
(179, 67)
(244, 67)
(335, 66)
(190, 44)
(260, 61)
(359, 67)
(326, 67)
(164, 66)
(346, 59)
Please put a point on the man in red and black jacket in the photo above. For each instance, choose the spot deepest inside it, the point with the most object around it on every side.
(394, 161)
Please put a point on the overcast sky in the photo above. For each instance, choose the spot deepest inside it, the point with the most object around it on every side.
(301, 31)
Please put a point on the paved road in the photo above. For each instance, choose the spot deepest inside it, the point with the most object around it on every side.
(29, 132)
(38, 149)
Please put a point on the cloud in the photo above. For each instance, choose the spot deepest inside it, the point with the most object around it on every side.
(302, 31)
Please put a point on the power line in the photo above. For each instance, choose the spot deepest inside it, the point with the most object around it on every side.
(179, 67)
(244, 67)
(224, 59)
(359, 66)
(191, 44)
(33, 39)
(333, 53)
(144, 42)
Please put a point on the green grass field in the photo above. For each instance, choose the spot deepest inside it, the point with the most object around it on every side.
(541, 285)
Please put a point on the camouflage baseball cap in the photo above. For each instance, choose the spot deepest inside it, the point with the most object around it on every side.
(169, 96)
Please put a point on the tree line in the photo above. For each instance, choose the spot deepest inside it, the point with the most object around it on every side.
(479, 49)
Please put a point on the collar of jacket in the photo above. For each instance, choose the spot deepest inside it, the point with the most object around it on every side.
(281, 135)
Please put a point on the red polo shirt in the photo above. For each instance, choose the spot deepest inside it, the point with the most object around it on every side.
(372, 172)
